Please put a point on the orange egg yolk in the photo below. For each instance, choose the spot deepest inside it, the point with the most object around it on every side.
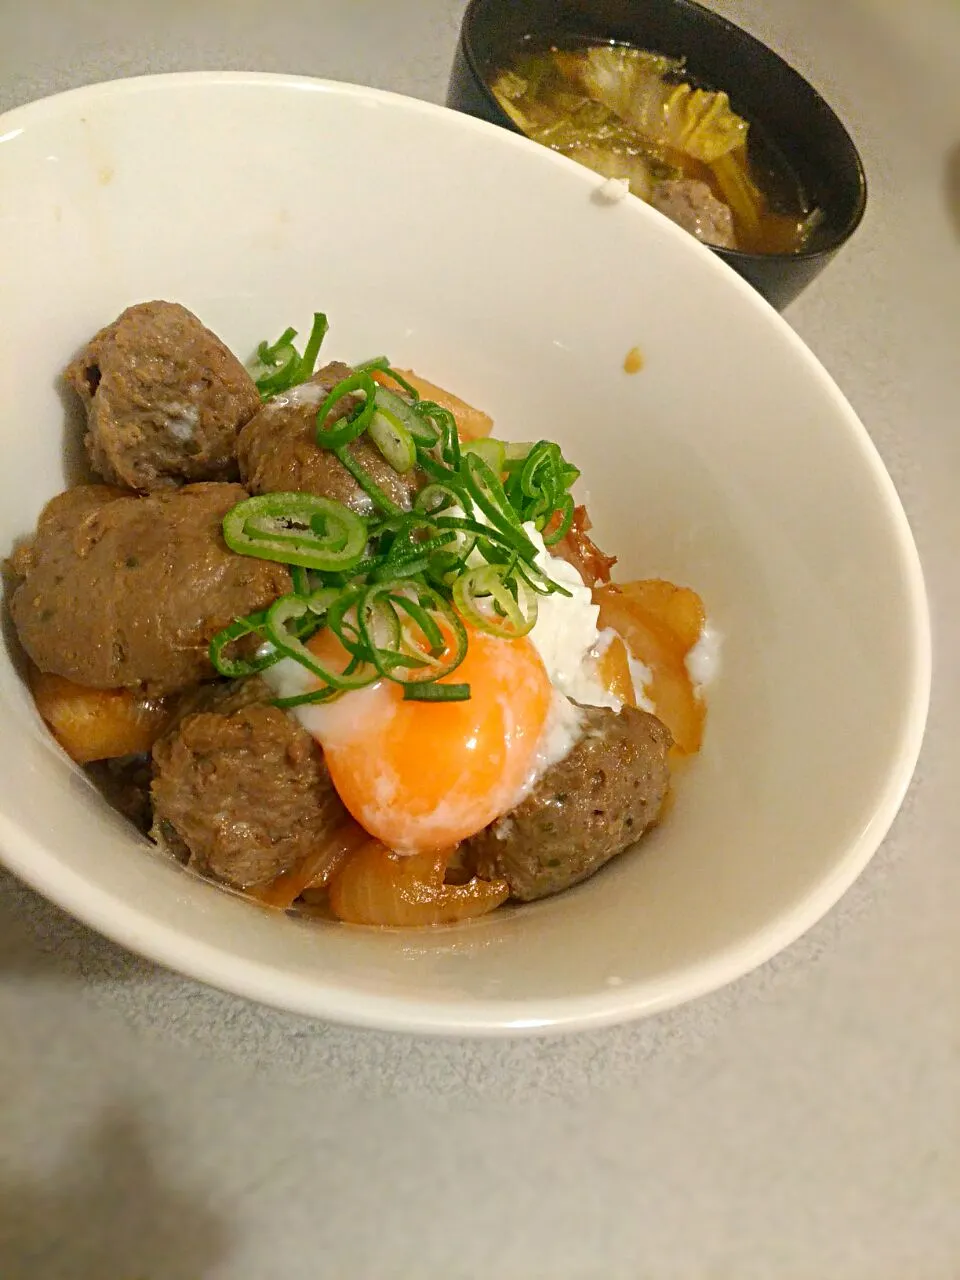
(425, 775)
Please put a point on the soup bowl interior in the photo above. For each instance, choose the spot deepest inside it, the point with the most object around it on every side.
(730, 462)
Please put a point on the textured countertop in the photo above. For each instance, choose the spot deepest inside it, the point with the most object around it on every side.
(803, 1124)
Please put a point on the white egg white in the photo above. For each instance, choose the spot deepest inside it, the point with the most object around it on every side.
(703, 660)
(565, 633)
(570, 645)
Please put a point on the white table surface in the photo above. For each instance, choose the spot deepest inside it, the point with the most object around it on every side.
(803, 1124)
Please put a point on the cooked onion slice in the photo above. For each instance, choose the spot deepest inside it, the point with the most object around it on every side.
(654, 642)
(679, 608)
(377, 887)
(316, 870)
(579, 549)
(97, 724)
(614, 672)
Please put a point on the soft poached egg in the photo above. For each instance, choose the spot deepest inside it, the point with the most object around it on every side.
(424, 776)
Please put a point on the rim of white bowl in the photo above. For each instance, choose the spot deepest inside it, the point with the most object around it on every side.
(135, 929)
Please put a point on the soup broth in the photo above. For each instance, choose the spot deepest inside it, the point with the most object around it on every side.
(637, 116)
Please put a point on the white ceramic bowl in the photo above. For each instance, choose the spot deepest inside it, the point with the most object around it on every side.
(731, 462)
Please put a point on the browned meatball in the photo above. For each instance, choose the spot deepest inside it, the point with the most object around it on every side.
(278, 452)
(692, 205)
(129, 591)
(241, 792)
(585, 810)
(164, 399)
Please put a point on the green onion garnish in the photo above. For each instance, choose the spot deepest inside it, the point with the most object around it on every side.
(349, 428)
(278, 367)
(297, 529)
(436, 693)
(308, 361)
(410, 632)
(493, 452)
(420, 428)
(395, 588)
(393, 440)
(495, 602)
(290, 609)
(234, 668)
(366, 483)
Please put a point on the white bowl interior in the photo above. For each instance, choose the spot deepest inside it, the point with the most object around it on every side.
(731, 462)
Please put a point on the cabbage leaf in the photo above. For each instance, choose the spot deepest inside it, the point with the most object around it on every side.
(642, 89)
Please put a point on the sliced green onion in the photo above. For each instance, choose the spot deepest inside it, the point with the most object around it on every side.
(437, 502)
(488, 493)
(381, 364)
(283, 365)
(401, 381)
(322, 602)
(297, 529)
(437, 497)
(376, 364)
(540, 480)
(421, 428)
(485, 596)
(540, 462)
(443, 568)
(436, 692)
(394, 589)
(538, 581)
(449, 478)
(539, 488)
(393, 440)
(341, 620)
(437, 645)
(356, 422)
(491, 451)
(515, 542)
(280, 367)
(417, 560)
(569, 474)
(369, 486)
(234, 668)
(302, 699)
(269, 352)
(446, 425)
(381, 631)
(516, 451)
(411, 567)
(308, 361)
(428, 625)
(289, 609)
(566, 520)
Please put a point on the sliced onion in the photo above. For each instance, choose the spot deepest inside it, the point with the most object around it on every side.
(658, 648)
(614, 670)
(377, 887)
(316, 870)
(97, 724)
(578, 549)
(680, 609)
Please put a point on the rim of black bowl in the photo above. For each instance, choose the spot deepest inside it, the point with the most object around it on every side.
(839, 237)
